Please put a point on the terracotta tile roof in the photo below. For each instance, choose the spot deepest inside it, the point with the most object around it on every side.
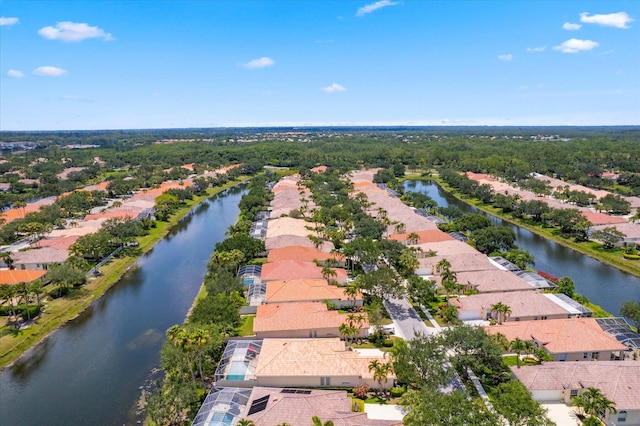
(17, 276)
(298, 290)
(44, 255)
(460, 263)
(561, 335)
(307, 254)
(298, 316)
(427, 236)
(110, 214)
(62, 243)
(286, 241)
(447, 248)
(522, 303)
(289, 226)
(292, 269)
(493, 280)
(311, 357)
(629, 229)
(602, 218)
(619, 381)
(298, 409)
(480, 176)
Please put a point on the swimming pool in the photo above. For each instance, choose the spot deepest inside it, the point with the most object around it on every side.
(237, 370)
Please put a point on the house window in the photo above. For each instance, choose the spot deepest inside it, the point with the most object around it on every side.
(562, 357)
(574, 393)
(622, 416)
(596, 355)
(325, 381)
(585, 355)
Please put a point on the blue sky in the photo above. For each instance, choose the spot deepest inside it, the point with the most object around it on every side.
(159, 64)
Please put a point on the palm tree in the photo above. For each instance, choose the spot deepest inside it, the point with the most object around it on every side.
(8, 293)
(504, 311)
(245, 422)
(37, 287)
(518, 345)
(200, 339)
(329, 273)
(593, 403)
(443, 265)
(380, 371)
(352, 292)
(413, 238)
(399, 227)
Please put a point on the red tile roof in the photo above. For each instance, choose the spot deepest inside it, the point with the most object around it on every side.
(17, 276)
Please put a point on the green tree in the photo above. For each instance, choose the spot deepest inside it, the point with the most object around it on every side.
(594, 403)
(520, 258)
(631, 310)
(514, 402)
(420, 362)
(566, 286)
(518, 346)
(430, 407)
(495, 238)
(608, 236)
(471, 347)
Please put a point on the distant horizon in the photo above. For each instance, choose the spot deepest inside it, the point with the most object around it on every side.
(335, 127)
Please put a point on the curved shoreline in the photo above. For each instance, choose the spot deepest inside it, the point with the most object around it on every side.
(573, 246)
(12, 348)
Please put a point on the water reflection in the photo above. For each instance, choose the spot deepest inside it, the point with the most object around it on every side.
(30, 362)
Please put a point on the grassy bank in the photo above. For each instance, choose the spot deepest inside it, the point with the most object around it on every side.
(61, 310)
(594, 250)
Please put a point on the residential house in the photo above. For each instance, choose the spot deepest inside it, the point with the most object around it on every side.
(309, 290)
(303, 319)
(304, 254)
(568, 339)
(297, 363)
(561, 381)
(292, 269)
(525, 306)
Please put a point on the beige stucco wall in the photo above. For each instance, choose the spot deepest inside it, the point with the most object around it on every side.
(315, 381)
(319, 332)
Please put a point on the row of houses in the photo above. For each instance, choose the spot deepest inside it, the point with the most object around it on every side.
(277, 375)
(553, 322)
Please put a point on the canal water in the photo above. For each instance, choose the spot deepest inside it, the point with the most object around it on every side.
(602, 284)
(91, 370)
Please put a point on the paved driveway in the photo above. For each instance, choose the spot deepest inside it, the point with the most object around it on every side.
(406, 319)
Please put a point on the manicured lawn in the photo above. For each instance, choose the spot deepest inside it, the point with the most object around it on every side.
(509, 360)
(375, 400)
(246, 326)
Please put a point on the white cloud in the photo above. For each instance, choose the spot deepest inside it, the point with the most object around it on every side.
(537, 49)
(71, 31)
(375, 6)
(74, 98)
(335, 87)
(506, 58)
(575, 45)
(7, 21)
(260, 63)
(49, 71)
(571, 26)
(15, 74)
(618, 20)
